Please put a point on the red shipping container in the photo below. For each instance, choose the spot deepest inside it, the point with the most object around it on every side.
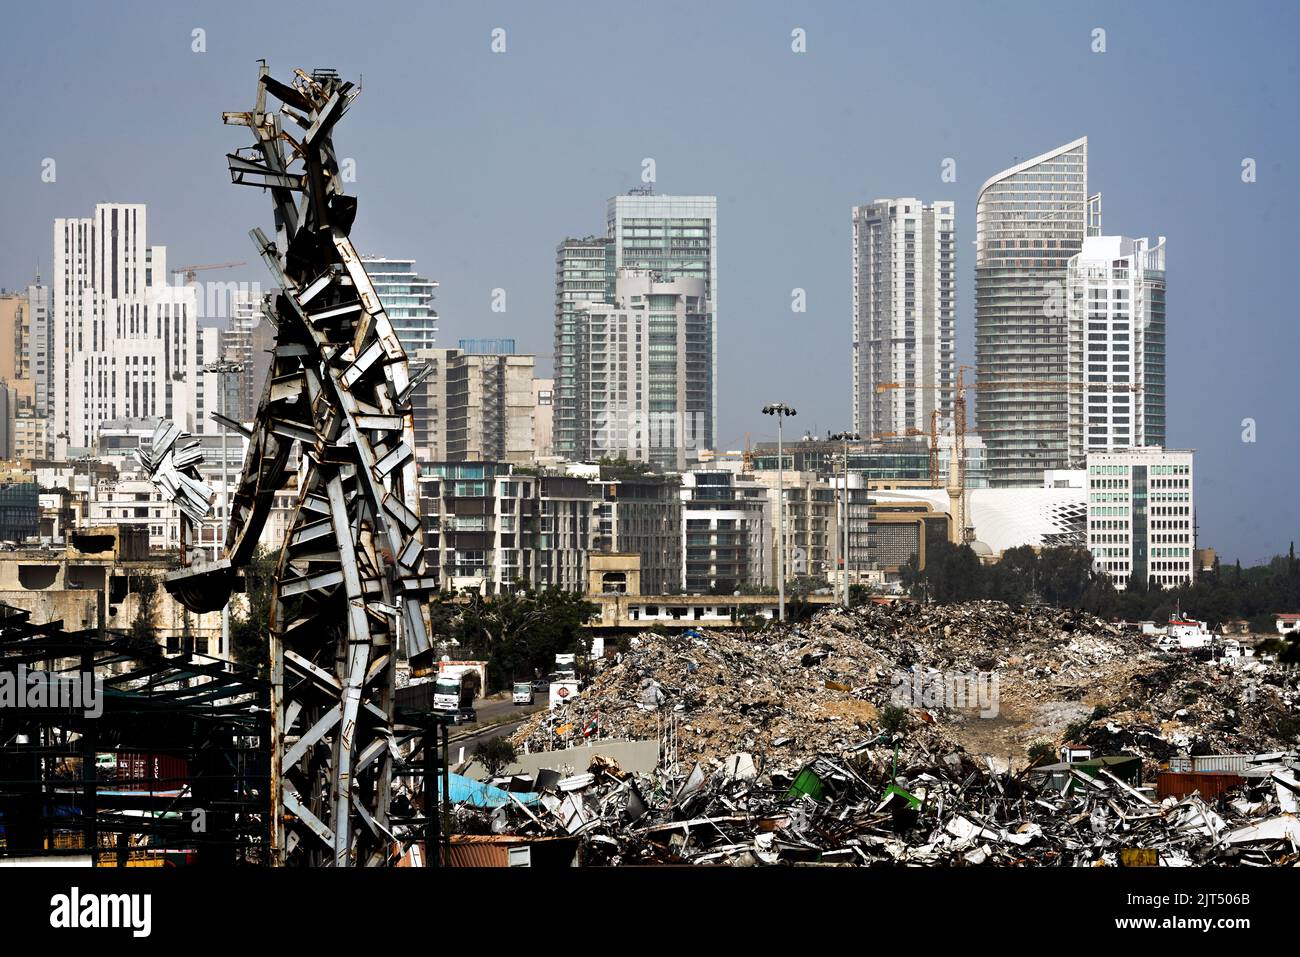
(144, 771)
(1210, 784)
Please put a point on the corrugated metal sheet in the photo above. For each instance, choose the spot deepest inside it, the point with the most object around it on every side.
(1202, 763)
(476, 855)
(1210, 784)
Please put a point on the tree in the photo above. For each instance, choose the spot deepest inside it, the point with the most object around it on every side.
(1041, 752)
(521, 632)
(494, 754)
(143, 636)
(250, 634)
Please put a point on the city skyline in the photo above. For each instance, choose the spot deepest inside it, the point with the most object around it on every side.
(781, 233)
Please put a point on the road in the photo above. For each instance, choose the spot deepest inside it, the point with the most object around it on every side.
(495, 708)
(473, 739)
(498, 706)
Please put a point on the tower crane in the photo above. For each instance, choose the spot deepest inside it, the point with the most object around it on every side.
(962, 531)
(191, 272)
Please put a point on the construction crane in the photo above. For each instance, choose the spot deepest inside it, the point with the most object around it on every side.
(191, 272)
(962, 531)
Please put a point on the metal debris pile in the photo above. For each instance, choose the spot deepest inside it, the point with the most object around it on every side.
(861, 808)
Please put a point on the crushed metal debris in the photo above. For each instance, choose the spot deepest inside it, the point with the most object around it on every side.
(782, 748)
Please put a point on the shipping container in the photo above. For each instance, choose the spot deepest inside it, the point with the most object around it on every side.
(1202, 763)
(145, 771)
(1210, 784)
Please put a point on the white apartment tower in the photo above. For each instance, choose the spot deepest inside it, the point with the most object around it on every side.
(641, 371)
(674, 237)
(1116, 302)
(125, 341)
(1142, 516)
(904, 314)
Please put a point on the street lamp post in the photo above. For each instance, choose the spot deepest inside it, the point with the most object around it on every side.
(780, 410)
(845, 437)
(221, 369)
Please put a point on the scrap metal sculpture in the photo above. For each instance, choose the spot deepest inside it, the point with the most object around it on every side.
(350, 583)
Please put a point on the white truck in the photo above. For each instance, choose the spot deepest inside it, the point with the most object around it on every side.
(456, 686)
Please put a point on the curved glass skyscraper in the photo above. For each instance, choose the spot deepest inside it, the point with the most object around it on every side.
(1029, 221)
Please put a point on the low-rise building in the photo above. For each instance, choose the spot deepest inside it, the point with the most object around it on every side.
(96, 579)
(487, 527)
(726, 532)
(641, 514)
(614, 587)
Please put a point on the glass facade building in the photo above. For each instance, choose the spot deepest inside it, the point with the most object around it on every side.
(1030, 220)
(675, 237)
(584, 272)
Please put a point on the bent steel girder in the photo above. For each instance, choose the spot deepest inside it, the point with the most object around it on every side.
(350, 580)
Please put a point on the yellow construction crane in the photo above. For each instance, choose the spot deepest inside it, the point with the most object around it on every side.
(191, 272)
(962, 531)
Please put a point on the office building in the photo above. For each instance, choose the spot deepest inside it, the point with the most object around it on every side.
(125, 341)
(1116, 297)
(904, 314)
(1029, 221)
(1142, 516)
(40, 346)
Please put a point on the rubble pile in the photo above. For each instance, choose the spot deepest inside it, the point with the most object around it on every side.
(793, 691)
(859, 809)
(827, 743)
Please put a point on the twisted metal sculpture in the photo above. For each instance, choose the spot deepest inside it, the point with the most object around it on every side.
(350, 582)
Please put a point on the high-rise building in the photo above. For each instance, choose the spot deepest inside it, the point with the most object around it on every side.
(475, 392)
(41, 345)
(904, 314)
(674, 237)
(1116, 298)
(1142, 516)
(125, 342)
(248, 342)
(641, 370)
(584, 272)
(543, 418)
(1029, 221)
(408, 301)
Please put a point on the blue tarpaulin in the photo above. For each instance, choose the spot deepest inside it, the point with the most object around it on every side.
(480, 794)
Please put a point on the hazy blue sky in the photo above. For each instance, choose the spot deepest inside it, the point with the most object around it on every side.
(476, 164)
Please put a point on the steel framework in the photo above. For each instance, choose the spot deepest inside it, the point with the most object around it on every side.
(351, 579)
